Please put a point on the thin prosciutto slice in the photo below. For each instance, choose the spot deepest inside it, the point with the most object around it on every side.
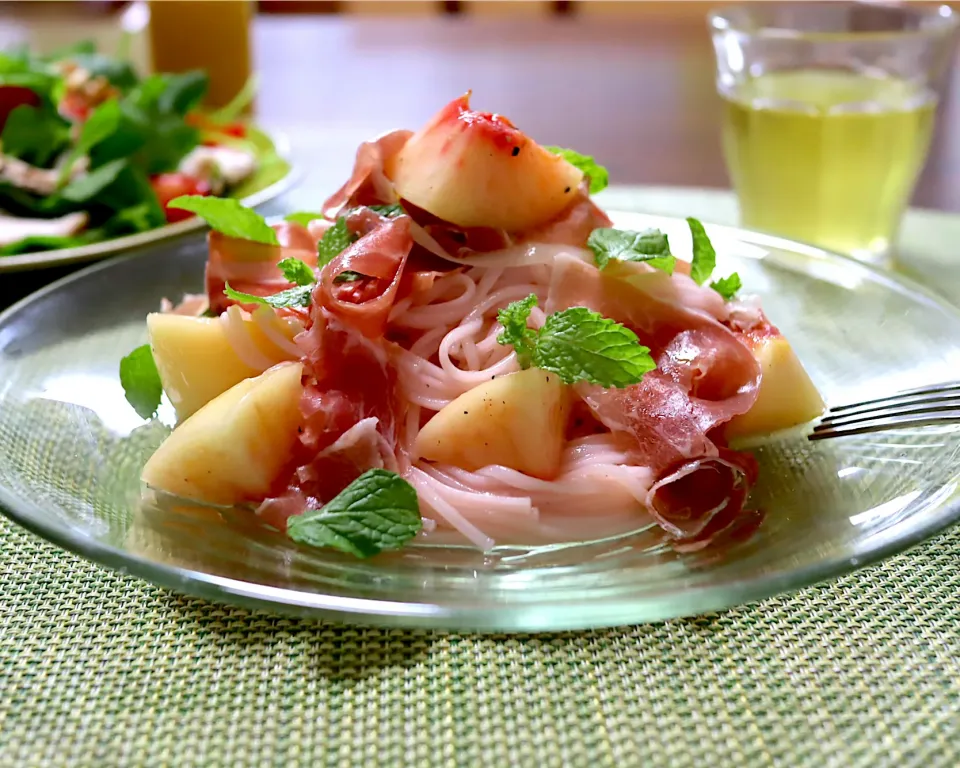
(378, 258)
(368, 185)
(705, 376)
(251, 267)
(350, 405)
(572, 226)
(351, 412)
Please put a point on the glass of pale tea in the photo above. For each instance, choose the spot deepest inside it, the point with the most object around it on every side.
(828, 114)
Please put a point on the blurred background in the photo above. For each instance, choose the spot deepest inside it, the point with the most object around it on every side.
(629, 82)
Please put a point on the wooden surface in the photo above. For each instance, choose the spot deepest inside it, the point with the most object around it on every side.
(635, 91)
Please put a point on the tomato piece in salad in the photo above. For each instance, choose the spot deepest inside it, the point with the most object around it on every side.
(13, 96)
(168, 186)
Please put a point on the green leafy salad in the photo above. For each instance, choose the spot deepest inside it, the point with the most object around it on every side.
(90, 150)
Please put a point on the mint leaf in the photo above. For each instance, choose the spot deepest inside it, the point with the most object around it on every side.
(297, 271)
(704, 257)
(334, 241)
(727, 286)
(388, 211)
(599, 178)
(515, 332)
(348, 276)
(228, 216)
(141, 381)
(579, 345)
(292, 297)
(377, 512)
(302, 217)
(102, 123)
(650, 246)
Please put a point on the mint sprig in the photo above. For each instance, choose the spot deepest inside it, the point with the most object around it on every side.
(388, 211)
(598, 175)
(297, 272)
(727, 286)
(349, 276)
(704, 256)
(228, 216)
(577, 344)
(140, 380)
(334, 241)
(377, 512)
(515, 332)
(299, 296)
(650, 246)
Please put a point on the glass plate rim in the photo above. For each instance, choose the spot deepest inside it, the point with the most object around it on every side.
(496, 618)
(127, 243)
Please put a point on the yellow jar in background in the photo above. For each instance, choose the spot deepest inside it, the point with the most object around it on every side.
(204, 34)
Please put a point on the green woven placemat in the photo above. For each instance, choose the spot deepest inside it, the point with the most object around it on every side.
(98, 669)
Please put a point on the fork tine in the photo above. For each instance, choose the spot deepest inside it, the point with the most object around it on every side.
(916, 407)
(925, 419)
(945, 388)
(894, 403)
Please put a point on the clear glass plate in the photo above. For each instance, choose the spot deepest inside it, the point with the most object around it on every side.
(71, 451)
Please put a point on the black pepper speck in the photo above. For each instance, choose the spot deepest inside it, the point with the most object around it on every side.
(516, 151)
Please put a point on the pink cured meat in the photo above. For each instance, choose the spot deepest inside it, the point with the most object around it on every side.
(350, 413)
(572, 226)
(380, 257)
(251, 267)
(350, 405)
(368, 184)
(705, 376)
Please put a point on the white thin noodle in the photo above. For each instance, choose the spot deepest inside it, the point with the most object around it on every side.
(274, 346)
(454, 330)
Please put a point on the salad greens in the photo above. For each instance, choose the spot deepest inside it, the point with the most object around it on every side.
(81, 131)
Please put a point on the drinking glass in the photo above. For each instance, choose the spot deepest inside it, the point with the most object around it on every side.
(828, 114)
(212, 35)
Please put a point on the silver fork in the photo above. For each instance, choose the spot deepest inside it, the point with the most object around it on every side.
(924, 406)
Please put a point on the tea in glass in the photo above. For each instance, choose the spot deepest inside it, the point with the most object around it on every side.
(827, 155)
(828, 116)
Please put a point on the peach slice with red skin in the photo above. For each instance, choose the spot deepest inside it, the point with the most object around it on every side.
(476, 169)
